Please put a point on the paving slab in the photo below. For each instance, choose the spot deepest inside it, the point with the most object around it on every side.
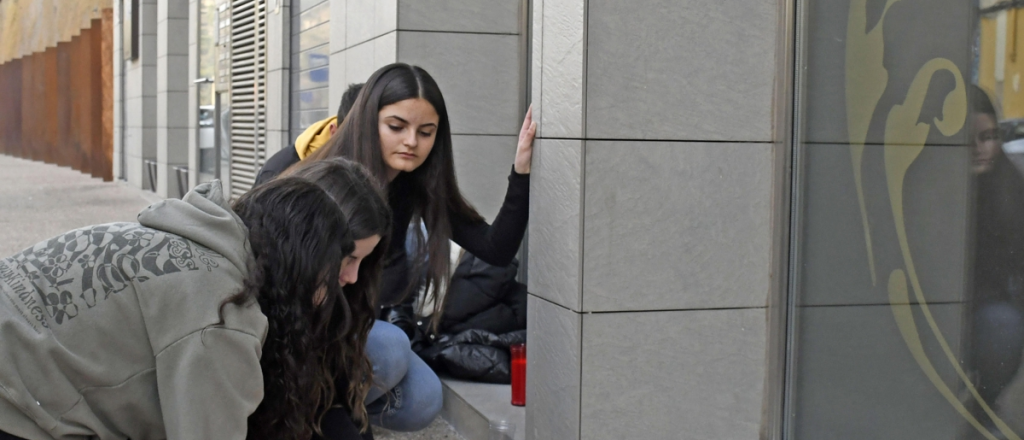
(40, 200)
(439, 430)
(470, 407)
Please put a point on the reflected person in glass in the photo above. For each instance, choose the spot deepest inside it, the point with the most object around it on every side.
(997, 337)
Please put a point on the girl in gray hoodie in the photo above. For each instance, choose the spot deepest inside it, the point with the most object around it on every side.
(180, 325)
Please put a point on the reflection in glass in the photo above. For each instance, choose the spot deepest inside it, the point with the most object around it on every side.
(302, 5)
(311, 63)
(307, 118)
(312, 99)
(315, 16)
(223, 135)
(313, 58)
(909, 255)
(315, 36)
(208, 29)
(997, 318)
(314, 78)
(207, 50)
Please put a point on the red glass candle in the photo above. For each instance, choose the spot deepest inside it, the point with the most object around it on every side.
(518, 374)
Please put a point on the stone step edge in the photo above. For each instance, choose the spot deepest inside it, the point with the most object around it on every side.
(469, 421)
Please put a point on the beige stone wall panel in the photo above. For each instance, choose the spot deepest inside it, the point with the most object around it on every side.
(30, 26)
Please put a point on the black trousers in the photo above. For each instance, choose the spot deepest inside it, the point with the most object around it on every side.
(6, 436)
(337, 424)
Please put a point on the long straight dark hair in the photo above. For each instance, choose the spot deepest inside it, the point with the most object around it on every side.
(434, 191)
(298, 237)
(363, 204)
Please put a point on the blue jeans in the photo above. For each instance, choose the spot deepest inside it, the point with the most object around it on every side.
(406, 394)
(998, 342)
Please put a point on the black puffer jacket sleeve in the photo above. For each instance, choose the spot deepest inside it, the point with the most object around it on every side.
(484, 314)
(477, 288)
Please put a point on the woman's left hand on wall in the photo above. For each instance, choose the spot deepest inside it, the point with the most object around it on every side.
(524, 152)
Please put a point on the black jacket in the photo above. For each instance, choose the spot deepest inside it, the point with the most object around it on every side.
(484, 297)
(484, 314)
(277, 164)
(999, 234)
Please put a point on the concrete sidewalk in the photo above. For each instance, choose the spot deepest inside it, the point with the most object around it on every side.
(39, 201)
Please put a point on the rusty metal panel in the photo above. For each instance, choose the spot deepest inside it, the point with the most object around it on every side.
(80, 82)
(28, 104)
(90, 118)
(15, 88)
(79, 105)
(63, 115)
(6, 108)
(10, 106)
(50, 104)
(58, 104)
(104, 166)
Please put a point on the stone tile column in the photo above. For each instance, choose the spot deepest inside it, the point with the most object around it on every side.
(279, 34)
(650, 223)
(118, 93)
(172, 97)
(363, 39)
(194, 17)
(138, 102)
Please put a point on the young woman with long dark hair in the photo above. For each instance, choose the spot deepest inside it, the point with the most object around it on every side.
(399, 130)
(369, 224)
(179, 326)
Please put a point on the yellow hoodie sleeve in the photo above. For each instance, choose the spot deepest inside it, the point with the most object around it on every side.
(314, 137)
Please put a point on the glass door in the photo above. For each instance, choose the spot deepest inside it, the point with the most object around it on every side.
(208, 48)
(221, 94)
(907, 287)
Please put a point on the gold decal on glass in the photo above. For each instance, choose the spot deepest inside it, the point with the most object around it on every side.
(899, 301)
(866, 78)
(904, 140)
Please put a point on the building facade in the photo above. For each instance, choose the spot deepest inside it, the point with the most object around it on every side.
(753, 219)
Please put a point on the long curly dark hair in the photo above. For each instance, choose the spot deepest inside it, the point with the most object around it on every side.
(434, 189)
(298, 236)
(363, 204)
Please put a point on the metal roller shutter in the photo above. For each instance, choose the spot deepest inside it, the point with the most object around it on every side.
(248, 92)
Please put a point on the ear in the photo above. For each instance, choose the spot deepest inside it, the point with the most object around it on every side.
(332, 128)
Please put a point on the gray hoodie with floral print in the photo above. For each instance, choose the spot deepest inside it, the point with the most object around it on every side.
(112, 331)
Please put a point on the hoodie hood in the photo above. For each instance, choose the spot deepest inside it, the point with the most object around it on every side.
(314, 137)
(205, 217)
